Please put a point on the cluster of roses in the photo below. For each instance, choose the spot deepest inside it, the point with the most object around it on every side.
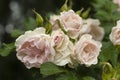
(36, 47)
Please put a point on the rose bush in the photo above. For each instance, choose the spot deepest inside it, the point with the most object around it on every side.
(69, 44)
(36, 47)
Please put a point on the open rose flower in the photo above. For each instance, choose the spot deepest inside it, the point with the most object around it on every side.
(63, 48)
(34, 48)
(71, 22)
(87, 50)
(115, 34)
(91, 26)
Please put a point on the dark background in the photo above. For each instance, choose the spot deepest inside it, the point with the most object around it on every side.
(12, 15)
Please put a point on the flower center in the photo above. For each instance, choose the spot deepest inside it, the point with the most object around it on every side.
(89, 49)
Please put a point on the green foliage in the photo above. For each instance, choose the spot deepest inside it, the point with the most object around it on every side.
(85, 13)
(92, 72)
(116, 72)
(109, 52)
(106, 12)
(39, 19)
(48, 26)
(66, 6)
(30, 23)
(107, 71)
(16, 32)
(88, 78)
(110, 72)
(49, 68)
(79, 11)
(7, 49)
(67, 76)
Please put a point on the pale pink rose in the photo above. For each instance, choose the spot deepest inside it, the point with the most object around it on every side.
(63, 48)
(87, 50)
(71, 22)
(91, 26)
(34, 48)
(53, 19)
(117, 2)
(115, 34)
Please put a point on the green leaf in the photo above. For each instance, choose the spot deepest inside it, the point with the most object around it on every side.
(107, 50)
(48, 26)
(88, 78)
(107, 14)
(49, 68)
(68, 76)
(16, 32)
(39, 19)
(30, 23)
(7, 49)
(109, 53)
(114, 57)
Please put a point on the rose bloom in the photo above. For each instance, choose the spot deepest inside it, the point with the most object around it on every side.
(63, 48)
(115, 34)
(91, 26)
(53, 19)
(71, 22)
(87, 50)
(117, 2)
(34, 48)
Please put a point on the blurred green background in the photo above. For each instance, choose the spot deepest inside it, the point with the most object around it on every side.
(12, 15)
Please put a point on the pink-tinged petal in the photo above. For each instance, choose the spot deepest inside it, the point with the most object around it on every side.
(87, 50)
(36, 50)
